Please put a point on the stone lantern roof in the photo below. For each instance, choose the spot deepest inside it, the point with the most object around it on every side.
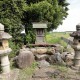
(4, 35)
(76, 33)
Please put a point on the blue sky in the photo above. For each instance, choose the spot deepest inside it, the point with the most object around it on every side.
(69, 24)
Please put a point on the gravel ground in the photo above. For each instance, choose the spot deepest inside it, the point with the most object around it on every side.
(45, 73)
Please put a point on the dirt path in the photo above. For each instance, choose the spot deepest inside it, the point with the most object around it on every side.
(43, 74)
(55, 73)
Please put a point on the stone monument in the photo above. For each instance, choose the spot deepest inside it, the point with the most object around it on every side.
(4, 50)
(40, 29)
(76, 46)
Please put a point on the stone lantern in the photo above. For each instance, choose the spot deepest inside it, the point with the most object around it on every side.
(40, 29)
(76, 46)
(4, 50)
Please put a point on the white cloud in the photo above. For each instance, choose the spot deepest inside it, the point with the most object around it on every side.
(69, 24)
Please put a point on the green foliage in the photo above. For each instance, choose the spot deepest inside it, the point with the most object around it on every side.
(53, 11)
(30, 38)
(15, 49)
(11, 12)
(64, 44)
(17, 13)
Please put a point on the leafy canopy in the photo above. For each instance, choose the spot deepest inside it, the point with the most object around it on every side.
(17, 13)
(53, 11)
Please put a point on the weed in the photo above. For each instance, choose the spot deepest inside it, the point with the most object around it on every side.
(27, 72)
(61, 68)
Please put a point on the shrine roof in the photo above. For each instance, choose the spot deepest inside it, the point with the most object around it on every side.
(39, 25)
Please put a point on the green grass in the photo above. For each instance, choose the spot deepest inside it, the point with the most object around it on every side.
(55, 38)
(61, 68)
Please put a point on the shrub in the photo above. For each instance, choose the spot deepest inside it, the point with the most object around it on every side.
(15, 49)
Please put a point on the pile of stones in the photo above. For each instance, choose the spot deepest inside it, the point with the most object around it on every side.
(44, 56)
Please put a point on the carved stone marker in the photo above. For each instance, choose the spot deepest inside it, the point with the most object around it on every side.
(40, 32)
(4, 49)
(76, 45)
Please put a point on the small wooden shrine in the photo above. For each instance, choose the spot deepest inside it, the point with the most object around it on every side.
(40, 30)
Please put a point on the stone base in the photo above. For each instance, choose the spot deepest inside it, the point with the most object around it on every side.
(5, 64)
(13, 75)
(76, 68)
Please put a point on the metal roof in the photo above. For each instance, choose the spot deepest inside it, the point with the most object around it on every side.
(39, 25)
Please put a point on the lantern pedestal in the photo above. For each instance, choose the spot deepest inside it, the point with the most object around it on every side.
(5, 64)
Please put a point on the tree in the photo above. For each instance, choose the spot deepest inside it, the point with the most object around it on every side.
(11, 12)
(53, 11)
(17, 13)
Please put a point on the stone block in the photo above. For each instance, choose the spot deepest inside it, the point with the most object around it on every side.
(25, 58)
(41, 50)
(50, 50)
(41, 57)
(43, 63)
(33, 50)
(55, 58)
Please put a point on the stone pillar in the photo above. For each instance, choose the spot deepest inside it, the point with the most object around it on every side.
(5, 64)
(77, 58)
